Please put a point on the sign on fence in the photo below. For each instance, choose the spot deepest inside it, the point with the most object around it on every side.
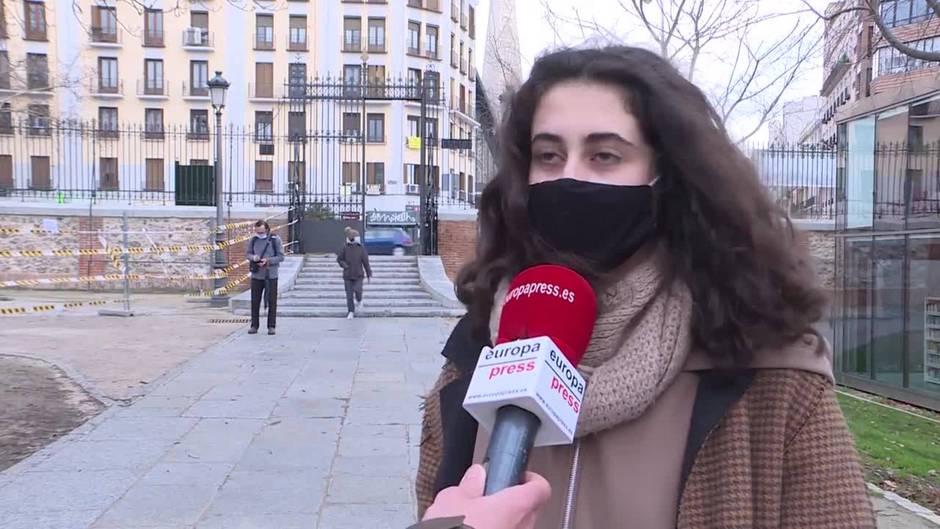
(391, 218)
(457, 144)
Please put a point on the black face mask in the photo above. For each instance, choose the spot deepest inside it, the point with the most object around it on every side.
(604, 224)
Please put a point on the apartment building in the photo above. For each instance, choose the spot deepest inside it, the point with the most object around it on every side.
(123, 67)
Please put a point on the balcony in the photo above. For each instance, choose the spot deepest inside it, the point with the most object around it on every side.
(198, 93)
(154, 39)
(153, 132)
(198, 133)
(106, 88)
(297, 41)
(108, 131)
(104, 37)
(197, 39)
(263, 91)
(153, 89)
(430, 5)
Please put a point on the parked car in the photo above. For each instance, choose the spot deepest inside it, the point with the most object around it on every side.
(388, 241)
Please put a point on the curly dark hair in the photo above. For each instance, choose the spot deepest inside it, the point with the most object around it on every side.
(751, 279)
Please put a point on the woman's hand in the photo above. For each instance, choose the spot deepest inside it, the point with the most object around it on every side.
(264, 262)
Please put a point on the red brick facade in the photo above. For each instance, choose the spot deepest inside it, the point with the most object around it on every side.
(456, 243)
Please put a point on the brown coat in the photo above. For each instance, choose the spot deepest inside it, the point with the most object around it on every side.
(781, 457)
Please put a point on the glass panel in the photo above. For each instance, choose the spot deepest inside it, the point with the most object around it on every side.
(923, 326)
(924, 165)
(856, 308)
(888, 313)
(860, 172)
(891, 134)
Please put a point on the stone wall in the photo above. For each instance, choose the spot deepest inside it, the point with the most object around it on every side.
(822, 246)
(175, 272)
(457, 237)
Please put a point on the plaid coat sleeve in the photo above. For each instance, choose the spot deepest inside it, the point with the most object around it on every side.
(432, 440)
(823, 486)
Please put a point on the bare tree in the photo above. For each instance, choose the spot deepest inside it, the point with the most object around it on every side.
(872, 8)
(760, 62)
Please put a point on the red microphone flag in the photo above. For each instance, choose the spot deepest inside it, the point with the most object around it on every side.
(552, 301)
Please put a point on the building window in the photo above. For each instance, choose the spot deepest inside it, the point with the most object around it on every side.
(431, 43)
(104, 24)
(198, 124)
(198, 32)
(377, 35)
(297, 79)
(4, 70)
(108, 180)
(473, 23)
(264, 176)
(463, 62)
(414, 125)
(297, 126)
(153, 28)
(154, 178)
(453, 51)
(375, 176)
(35, 20)
(264, 126)
(352, 34)
(890, 61)
(264, 32)
(38, 120)
(411, 178)
(6, 171)
(414, 37)
(39, 173)
(298, 33)
(153, 123)
(6, 119)
(903, 12)
(264, 79)
(107, 75)
(352, 125)
(108, 122)
(352, 74)
(154, 83)
(199, 78)
(37, 71)
(351, 174)
(375, 131)
(3, 21)
(431, 127)
(470, 63)
(433, 83)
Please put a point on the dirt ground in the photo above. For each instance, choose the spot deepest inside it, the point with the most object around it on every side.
(60, 368)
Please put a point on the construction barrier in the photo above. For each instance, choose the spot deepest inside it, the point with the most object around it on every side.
(222, 273)
(38, 309)
(41, 231)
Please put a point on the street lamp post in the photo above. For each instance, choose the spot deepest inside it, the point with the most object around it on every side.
(365, 134)
(217, 89)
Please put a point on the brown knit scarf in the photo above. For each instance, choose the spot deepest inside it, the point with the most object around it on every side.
(640, 342)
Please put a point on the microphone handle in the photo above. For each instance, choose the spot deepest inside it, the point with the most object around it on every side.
(510, 445)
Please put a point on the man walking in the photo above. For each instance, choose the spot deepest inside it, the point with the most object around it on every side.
(354, 260)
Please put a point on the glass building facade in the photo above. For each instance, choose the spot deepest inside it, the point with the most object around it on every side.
(886, 317)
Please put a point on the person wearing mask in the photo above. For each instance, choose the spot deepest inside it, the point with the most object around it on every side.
(264, 253)
(710, 401)
(354, 260)
(464, 506)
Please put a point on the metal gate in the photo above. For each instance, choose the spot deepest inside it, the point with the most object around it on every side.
(333, 123)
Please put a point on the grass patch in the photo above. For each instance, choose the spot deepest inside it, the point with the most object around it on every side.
(899, 452)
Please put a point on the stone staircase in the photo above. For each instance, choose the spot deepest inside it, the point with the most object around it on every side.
(395, 291)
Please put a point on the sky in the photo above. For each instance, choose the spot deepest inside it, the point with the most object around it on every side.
(536, 35)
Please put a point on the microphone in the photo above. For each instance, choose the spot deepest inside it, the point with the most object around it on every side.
(526, 389)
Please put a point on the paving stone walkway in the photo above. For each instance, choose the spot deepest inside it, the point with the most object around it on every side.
(317, 427)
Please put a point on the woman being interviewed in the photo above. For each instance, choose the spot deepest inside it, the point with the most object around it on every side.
(710, 399)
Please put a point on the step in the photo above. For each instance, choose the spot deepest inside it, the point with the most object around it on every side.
(377, 258)
(370, 302)
(400, 283)
(338, 276)
(417, 312)
(368, 287)
(325, 265)
(341, 294)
